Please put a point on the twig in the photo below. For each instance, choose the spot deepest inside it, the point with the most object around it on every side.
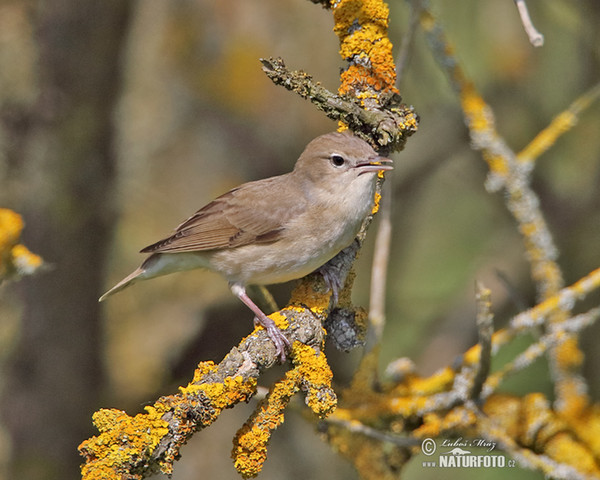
(525, 457)
(355, 426)
(485, 329)
(513, 176)
(541, 346)
(560, 124)
(264, 298)
(535, 37)
(389, 126)
(406, 44)
(381, 257)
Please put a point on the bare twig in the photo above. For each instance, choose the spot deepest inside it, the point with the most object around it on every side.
(406, 44)
(535, 37)
(355, 426)
(381, 258)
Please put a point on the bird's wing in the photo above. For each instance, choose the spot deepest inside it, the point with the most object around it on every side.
(241, 216)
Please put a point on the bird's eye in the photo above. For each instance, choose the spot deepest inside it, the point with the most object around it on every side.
(337, 160)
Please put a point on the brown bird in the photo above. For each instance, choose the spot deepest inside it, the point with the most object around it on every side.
(276, 229)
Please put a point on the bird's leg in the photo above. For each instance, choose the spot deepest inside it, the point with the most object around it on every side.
(276, 336)
(332, 281)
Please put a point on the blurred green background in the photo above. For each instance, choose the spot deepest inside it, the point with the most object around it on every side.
(119, 119)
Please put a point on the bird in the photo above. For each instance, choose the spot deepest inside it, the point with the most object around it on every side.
(276, 229)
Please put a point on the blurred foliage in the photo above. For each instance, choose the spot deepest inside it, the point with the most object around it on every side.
(197, 117)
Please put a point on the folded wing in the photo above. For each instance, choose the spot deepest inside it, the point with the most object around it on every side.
(240, 217)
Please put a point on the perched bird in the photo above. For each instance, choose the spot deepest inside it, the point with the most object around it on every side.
(276, 229)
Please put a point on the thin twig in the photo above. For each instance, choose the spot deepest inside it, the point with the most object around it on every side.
(485, 329)
(540, 347)
(559, 125)
(381, 258)
(535, 37)
(507, 173)
(525, 457)
(406, 44)
(355, 426)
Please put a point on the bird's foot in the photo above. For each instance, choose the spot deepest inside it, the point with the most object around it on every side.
(332, 281)
(275, 334)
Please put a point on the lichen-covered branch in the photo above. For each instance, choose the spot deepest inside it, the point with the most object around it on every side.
(527, 428)
(463, 401)
(136, 447)
(560, 124)
(385, 128)
(15, 259)
(512, 175)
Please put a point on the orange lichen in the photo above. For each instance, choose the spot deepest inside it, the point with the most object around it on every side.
(362, 31)
(376, 201)
(25, 262)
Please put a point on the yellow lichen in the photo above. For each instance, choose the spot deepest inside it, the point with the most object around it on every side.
(305, 294)
(250, 444)
(203, 369)
(11, 225)
(310, 373)
(316, 377)
(24, 261)
(587, 427)
(222, 395)
(362, 31)
(122, 439)
(14, 257)
(563, 448)
(376, 201)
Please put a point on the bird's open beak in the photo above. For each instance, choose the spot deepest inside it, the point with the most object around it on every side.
(375, 165)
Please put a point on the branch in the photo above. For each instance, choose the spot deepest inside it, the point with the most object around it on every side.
(485, 329)
(387, 127)
(151, 441)
(507, 173)
(15, 259)
(535, 37)
(381, 256)
(135, 447)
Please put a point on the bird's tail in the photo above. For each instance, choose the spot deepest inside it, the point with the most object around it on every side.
(128, 280)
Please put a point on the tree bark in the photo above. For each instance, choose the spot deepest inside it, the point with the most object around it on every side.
(55, 376)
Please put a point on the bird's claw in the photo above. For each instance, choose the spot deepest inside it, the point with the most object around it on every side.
(276, 335)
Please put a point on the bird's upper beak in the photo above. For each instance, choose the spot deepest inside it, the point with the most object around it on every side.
(375, 165)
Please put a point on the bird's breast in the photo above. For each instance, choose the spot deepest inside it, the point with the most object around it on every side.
(307, 241)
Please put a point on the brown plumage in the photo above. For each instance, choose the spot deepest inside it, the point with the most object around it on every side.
(276, 229)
